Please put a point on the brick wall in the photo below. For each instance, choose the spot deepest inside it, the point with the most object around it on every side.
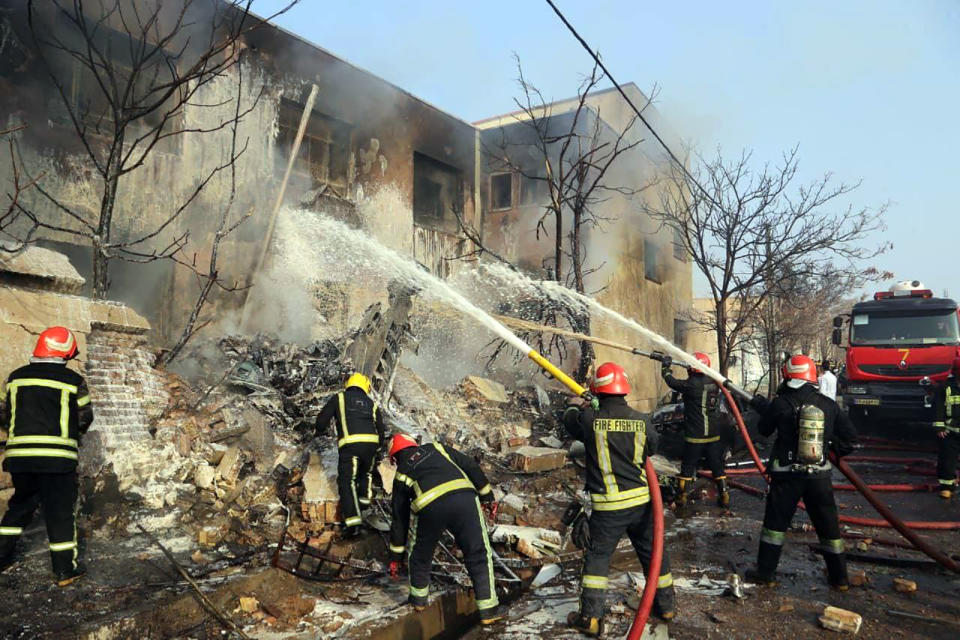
(125, 390)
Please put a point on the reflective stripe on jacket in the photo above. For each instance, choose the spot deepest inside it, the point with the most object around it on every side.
(47, 410)
(617, 443)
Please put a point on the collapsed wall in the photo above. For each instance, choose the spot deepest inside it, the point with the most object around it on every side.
(38, 289)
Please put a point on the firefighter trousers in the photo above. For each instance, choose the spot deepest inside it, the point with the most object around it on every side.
(784, 493)
(693, 452)
(606, 530)
(947, 460)
(355, 480)
(57, 494)
(460, 514)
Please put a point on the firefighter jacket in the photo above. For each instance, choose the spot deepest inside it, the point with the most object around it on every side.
(947, 406)
(47, 410)
(358, 417)
(787, 416)
(617, 444)
(701, 402)
(424, 474)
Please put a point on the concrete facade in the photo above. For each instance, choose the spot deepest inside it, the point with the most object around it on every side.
(373, 155)
(640, 274)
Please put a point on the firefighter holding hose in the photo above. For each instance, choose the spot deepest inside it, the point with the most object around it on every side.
(701, 438)
(947, 405)
(360, 430)
(808, 425)
(617, 444)
(437, 488)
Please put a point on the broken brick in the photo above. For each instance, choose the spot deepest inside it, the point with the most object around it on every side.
(532, 459)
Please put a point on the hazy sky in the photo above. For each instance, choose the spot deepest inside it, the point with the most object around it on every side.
(869, 89)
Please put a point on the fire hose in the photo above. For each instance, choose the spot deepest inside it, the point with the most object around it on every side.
(656, 556)
(656, 503)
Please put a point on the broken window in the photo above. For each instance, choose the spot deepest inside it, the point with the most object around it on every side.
(436, 192)
(324, 154)
(679, 332)
(679, 248)
(651, 261)
(134, 76)
(534, 191)
(501, 191)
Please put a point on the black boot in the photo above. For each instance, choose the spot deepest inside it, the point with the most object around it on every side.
(585, 625)
(664, 604)
(837, 571)
(65, 578)
(723, 495)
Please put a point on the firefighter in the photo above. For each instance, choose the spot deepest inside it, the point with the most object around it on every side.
(701, 437)
(360, 431)
(617, 444)
(437, 489)
(808, 426)
(47, 410)
(947, 405)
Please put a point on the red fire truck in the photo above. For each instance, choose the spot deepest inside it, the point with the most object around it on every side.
(897, 345)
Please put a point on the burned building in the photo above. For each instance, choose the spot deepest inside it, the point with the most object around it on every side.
(632, 264)
(371, 154)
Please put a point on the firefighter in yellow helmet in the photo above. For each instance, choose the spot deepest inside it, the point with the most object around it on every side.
(46, 411)
(360, 431)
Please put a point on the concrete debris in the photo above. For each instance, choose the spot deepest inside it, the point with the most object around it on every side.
(858, 578)
(320, 500)
(535, 459)
(837, 619)
(551, 441)
(902, 585)
(512, 504)
(476, 388)
(249, 604)
(229, 467)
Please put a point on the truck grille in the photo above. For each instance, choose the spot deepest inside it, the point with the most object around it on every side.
(914, 370)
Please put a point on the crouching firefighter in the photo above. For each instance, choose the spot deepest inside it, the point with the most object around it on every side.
(437, 489)
(947, 404)
(701, 437)
(617, 444)
(808, 425)
(46, 412)
(360, 431)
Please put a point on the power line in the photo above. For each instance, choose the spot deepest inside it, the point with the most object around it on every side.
(616, 84)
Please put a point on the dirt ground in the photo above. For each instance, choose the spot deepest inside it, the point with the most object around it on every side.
(131, 580)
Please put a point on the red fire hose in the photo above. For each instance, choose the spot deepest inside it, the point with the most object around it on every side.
(888, 488)
(743, 429)
(905, 529)
(890, 460)
(656, 557)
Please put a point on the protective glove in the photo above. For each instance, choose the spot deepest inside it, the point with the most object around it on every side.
(395, 569)
(581, 532)
(492, 508)
(759, 403)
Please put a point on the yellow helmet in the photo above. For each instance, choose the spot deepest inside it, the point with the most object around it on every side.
(359, 380)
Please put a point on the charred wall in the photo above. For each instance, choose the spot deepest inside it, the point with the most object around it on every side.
(357, 164)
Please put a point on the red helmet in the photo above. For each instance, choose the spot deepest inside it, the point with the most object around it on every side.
(701, 358)
(399, 442)
(56, 342)
(611, 380)
(800, 370)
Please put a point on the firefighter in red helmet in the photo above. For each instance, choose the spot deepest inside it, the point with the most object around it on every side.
(46, 411)
(947, 404)
(617, 443)
(701, 437)
(436, 489)
(808, 426)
